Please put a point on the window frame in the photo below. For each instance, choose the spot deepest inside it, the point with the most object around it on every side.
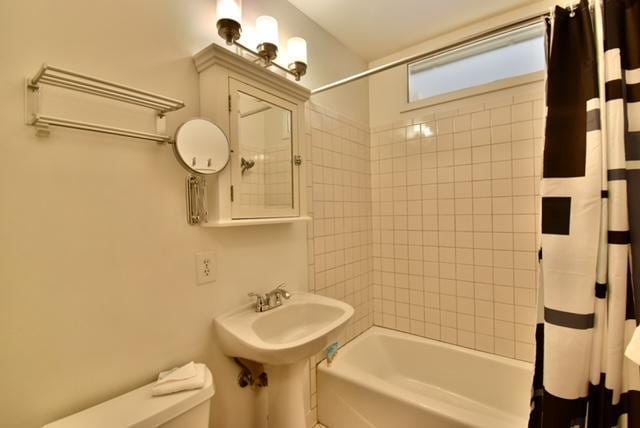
(469, 50)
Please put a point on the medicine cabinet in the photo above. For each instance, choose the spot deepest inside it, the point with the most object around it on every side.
(263, 114)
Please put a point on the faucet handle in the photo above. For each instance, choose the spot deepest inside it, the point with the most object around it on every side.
(260, 301)
(281, 291)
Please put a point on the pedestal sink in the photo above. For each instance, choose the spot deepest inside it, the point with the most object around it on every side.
(282, 339)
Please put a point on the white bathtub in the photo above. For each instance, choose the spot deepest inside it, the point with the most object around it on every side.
(388, 379)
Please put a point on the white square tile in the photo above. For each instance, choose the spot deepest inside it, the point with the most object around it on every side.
(464, 206)
(501, 116)
(523, 186)
(504, 347)
(464, 239)
(524, 241)
(484, 292)
(445, 158)
(502, 223)
(484, 308)
(501, 169)
(500, 134)
(482, 171)
(503, 312)
(522, 130)
(483, 257)
(521, 112)
(502, 187)
(502, 205)
(523, 167)
(462, 123)
(483, 240)
(503, 258)
(481, 137)
(525, 260)
(463, 173)
(483, 274)
(525, 314)
(482, 205)
(500, 152)
(503, 294)
(525, 278)
(463, 190)
(525, 297)
(504, 329)
(445, 126)
(481, 154)
(503, 241)
(525, 352)
(523, 149)
(481, 119)
(462, 140)
(462, 157)
(482, 223)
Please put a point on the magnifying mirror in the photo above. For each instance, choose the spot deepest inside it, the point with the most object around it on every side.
(201, 147)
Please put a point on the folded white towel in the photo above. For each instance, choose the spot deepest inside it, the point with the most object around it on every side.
(633, 348)
(189, 376)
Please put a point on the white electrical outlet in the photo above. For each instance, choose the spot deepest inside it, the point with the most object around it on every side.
(206, 267)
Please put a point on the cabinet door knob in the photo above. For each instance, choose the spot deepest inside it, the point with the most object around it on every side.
(297, 160)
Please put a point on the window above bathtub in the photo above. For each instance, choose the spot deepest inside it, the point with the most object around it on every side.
(517, 53)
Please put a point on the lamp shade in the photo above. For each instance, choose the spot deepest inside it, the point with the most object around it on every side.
(229, 9)
(297, 50)
(267, 29)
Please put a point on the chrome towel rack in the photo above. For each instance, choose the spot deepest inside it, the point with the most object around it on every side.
(66, 79)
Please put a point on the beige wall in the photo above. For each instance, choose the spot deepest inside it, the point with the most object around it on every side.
(97, 263)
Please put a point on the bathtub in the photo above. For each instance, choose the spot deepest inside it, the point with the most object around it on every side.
(389, 379)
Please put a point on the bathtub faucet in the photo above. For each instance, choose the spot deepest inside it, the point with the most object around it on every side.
(272, 299)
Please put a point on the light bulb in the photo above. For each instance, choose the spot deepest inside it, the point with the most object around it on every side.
(297, 50)
(267, 29)
(229, 9)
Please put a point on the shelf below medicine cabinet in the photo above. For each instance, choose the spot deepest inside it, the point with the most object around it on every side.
(256, 221)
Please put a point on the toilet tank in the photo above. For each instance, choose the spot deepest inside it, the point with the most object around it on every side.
(139, 409)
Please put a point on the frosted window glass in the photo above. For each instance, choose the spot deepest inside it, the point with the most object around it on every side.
(508, 57)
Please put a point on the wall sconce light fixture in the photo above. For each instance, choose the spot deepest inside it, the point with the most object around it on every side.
(297, 50)
(267, 28)
(229, 26)
(229, 16)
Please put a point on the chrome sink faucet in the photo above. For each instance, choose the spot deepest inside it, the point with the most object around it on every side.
(272, 299)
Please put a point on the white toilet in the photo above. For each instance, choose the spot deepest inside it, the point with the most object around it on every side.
(138, 409)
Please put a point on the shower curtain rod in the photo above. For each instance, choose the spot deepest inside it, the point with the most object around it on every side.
(467, 42)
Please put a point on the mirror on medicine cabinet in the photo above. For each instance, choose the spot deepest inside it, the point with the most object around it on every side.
(263, 115)
(264, 175)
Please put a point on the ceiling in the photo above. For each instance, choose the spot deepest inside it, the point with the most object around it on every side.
(376, 28)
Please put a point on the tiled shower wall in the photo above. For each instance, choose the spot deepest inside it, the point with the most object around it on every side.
(455, 215)
(340, 234)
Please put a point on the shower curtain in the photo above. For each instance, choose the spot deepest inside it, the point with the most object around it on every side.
(589, 291)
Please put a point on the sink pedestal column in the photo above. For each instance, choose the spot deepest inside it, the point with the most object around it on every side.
(286, 395)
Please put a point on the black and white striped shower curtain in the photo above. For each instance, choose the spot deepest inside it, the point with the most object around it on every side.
(589, 298)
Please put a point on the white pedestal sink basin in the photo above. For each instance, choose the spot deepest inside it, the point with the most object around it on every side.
(282, 339)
